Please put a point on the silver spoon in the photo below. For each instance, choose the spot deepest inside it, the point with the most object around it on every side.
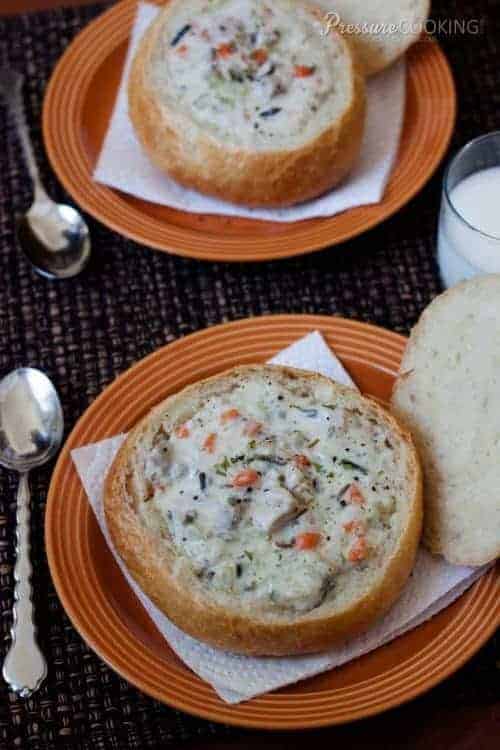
(54, 237)
(31, 430)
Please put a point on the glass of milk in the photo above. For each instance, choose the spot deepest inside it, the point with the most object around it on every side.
(469, 221)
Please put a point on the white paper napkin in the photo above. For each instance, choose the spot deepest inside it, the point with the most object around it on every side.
(122, 164)
(433, 584)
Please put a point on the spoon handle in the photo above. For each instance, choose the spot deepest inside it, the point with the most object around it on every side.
(24, 667)
(11, 86)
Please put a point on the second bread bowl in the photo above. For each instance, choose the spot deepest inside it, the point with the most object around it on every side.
(248, 100)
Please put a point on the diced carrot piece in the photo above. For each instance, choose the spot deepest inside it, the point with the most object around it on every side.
(209, 442)
(357, 527)
(225, 50)
(354, 495)
(182, 432)
(303, 71)
(252, 428)
(259, 55)
(307, 540)
(301, 461)
(358, 550)
(182, 50)
(229, 415)
(246, 478)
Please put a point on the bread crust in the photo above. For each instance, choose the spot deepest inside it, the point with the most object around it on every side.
(374, 57)
(254, 178)
(435, 526)
(187, 604)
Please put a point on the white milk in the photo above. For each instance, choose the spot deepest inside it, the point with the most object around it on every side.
(470, 247)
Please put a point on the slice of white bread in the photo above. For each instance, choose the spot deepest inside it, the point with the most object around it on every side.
(247, 100)
(267, 510)
(448, 393)
(384, 29)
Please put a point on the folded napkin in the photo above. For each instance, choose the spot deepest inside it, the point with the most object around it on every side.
(122, 164)
(433, 584)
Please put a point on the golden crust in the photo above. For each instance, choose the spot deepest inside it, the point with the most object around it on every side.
(151, 560)
(253, 178)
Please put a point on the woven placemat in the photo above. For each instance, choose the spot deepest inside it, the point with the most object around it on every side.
(132, 300)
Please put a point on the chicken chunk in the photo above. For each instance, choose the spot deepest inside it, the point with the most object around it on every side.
(273, 507)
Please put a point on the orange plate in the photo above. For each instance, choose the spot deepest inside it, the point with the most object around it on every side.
(105, 611)
(77, 108)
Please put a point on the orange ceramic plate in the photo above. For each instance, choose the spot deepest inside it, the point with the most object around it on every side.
(109, 617)
(77, 107)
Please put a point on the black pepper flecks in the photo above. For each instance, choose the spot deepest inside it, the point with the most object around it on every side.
(270, 112)
(181, 33)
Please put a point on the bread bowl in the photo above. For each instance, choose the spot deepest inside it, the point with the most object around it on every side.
(267, 510)
(247, 100)
(380, 30)
(448, 393)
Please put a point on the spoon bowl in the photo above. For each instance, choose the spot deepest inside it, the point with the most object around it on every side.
(55, 239)
(31, 420)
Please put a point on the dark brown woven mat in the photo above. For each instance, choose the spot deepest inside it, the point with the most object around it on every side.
(132, 300)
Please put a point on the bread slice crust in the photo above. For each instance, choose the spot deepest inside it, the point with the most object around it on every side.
(464, 535)
(154, 564)
(266, 178)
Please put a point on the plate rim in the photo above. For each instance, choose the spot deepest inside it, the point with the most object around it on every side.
(99, 200)
(226, 713)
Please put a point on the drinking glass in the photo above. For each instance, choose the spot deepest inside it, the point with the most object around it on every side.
(465, 250)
